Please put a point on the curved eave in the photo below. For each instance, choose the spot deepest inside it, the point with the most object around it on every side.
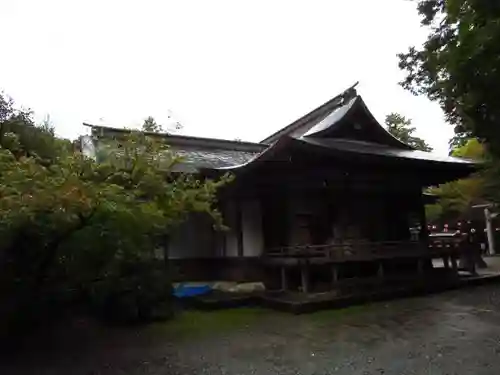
(349, 150)
(448, 167)
(332, 123)
(392, 140)
(267, 155)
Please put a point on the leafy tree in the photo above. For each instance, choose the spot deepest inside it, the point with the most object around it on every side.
(150, 125)
(456, 197)
(459, 140)
(71, 227)
(458, 65)
(400, 127)
(472, 149)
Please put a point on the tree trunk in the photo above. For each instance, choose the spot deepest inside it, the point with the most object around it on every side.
(34, 291)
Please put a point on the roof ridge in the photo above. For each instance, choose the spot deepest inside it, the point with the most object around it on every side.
(334, 102)
(187, 140)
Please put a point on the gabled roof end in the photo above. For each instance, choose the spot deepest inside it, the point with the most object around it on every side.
(315, 114)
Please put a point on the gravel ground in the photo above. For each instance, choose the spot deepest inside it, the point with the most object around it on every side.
(451, 333)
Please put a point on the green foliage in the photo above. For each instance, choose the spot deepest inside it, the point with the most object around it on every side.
(71, 227)
(472, 149)
(400, 127)
(459, 140)
(456, 197)
(458, 65)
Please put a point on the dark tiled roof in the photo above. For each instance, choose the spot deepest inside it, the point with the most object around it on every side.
(196, 153)
(194, 159)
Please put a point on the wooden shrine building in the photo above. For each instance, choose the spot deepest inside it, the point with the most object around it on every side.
(332, 196)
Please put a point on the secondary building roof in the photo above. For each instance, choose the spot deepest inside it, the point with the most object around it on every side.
(196, 152)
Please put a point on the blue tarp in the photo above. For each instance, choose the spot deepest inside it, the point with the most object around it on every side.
(183, 291)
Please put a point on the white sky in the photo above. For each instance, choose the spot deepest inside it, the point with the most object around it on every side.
(226, 69)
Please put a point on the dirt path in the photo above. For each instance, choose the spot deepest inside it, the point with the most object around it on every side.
(451, 333)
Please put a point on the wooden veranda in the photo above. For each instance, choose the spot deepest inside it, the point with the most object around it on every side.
(382, 254)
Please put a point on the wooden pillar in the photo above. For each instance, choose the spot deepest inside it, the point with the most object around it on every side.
(335, 275)
(424, 235)
(239, 228)
(380, 271)
(224, 243)
(424, 232)
(420, 267)
(446, 262)
(490, 233)
(284, 279)
(304, 273)
(454, 265)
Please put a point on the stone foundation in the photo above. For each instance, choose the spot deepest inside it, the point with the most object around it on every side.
(239, 269)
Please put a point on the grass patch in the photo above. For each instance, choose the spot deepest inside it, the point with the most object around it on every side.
(191, 323)
(333, 315)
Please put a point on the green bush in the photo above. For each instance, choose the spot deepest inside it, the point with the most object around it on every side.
(76, 231)
(140, 292)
